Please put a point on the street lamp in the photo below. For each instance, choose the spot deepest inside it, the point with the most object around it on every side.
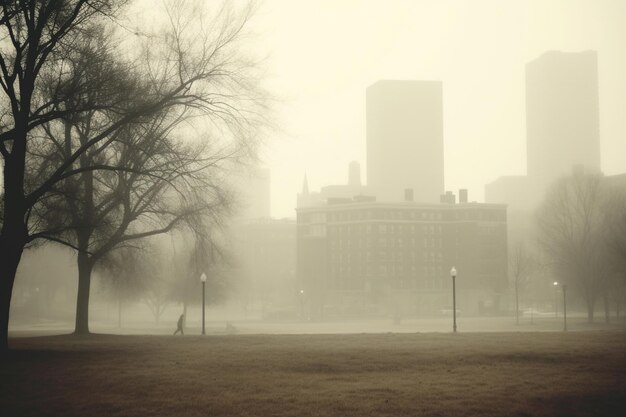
(564, 307)
(564, 304)
(203, 280)
(453, 274)
(556, 300)
(302, 304)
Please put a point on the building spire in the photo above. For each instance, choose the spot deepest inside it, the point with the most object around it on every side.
(305, 185)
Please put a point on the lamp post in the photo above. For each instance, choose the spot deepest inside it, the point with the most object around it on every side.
(564, 304)
(453, 274)
(556, 300)
(203, 280)
(37, 302)
(564, 307)
(302, 304)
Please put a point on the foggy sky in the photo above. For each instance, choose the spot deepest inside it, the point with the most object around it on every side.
(322, 55)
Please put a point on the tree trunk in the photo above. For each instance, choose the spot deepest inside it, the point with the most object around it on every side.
(14, 231)
(83, 238)
(85, 267)
(10, 255)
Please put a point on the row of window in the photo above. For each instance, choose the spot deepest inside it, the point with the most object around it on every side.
(357, 284)
(427, 257)
(384, 243)
(320, 230)
(385, 270)
(383, 229)
(381, 214)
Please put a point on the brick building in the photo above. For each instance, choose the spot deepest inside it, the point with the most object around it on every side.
(359, 256)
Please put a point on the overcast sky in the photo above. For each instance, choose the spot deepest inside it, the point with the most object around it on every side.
(323, 55)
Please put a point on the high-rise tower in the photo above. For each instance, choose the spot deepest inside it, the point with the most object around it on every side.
(562, 117)
(405, 139)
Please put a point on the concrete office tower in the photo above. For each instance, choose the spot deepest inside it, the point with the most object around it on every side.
(562, 121)
(405, 139)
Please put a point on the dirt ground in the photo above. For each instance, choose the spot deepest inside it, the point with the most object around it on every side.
(477, 374)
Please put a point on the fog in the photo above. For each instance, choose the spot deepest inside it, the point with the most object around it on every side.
(489, 104)
(402, 207)
(478, 50)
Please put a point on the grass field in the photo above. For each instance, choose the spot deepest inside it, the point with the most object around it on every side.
(478, 374)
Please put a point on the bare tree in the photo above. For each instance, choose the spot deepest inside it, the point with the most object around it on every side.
(572, 234)
(522, 265)
(157, 185)
(179, 71)
(30, 33)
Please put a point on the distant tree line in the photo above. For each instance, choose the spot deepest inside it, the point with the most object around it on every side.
(99, 131)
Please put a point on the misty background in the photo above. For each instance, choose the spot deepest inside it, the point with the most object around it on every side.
(323, 55)
(318, 58)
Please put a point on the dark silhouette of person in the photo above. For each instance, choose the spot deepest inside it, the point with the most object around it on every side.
(179, 325)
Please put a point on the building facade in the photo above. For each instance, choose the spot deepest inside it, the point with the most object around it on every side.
(361, 256)
(405, 139)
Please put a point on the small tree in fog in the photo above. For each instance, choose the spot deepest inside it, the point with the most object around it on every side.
(522, 265)
(123, 277)
(157, 296)
(202, 253)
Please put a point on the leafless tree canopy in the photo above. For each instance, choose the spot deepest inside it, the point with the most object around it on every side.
(95, 130)
(573, 224)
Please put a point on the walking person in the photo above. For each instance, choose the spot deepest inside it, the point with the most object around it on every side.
(179, 325)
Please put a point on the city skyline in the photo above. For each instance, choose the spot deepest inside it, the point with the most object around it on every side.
(482, 73)
(291, 207)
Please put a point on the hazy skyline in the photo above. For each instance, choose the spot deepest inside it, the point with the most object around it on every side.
(323, 55)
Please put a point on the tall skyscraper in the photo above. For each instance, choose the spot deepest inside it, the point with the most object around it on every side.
(562, 120)
(405, 139)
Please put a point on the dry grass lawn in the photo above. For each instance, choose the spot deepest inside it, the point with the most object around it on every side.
(488, 374)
